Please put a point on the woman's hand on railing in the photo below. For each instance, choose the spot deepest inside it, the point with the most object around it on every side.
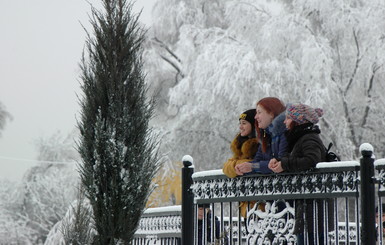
(243, 168)
(275, 166)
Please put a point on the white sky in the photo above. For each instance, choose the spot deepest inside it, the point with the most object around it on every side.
(41, 43)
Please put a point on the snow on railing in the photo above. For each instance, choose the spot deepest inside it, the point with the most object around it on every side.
(160, 222)
(338, 181)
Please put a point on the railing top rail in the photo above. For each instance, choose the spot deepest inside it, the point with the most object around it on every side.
(321, 167)
(332, 179)
(161, 211)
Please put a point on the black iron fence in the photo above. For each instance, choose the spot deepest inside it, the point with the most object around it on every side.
(337, 199)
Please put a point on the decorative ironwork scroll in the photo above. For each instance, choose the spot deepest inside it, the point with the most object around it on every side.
(276, 186)
(273, 224)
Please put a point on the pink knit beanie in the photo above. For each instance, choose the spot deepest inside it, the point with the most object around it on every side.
(302, 113)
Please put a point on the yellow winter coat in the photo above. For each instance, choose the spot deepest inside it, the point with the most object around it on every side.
(245, 154)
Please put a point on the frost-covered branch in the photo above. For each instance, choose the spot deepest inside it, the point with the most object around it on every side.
(369, 97)
(327, 124)
(349, 120)
(256, 8)
(29, 220)
(172, 63)
(339, 65)
(168, 60)
(358, 59)
(163, 45)
(179, 72)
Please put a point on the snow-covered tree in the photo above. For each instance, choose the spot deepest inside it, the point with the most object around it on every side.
(48, 190)
(58, 148)
(13, 229)
(31, 208)
(4, 116)
(208, 61)
(117, 146)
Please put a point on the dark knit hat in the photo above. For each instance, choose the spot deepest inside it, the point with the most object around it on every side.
(301, 113)
(248, 116)
(206, 205)
(383, 208)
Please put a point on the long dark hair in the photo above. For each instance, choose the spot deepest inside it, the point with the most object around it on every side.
(242, 139)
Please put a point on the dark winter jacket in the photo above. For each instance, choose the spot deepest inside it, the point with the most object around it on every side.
(208, 229)
(305, 150)
(242, 154)
(277, 147)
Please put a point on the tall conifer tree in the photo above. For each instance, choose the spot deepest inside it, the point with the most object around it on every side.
(117, 146)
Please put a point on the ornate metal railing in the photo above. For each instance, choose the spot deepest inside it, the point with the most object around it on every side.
(160, 226)
(272, 219)
(277, 192)
(326, 180)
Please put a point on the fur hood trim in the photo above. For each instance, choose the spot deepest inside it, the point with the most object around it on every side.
(277, 127)
(248, 150)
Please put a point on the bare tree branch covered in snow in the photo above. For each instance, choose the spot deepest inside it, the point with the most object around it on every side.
(175, 64)
(328, 54)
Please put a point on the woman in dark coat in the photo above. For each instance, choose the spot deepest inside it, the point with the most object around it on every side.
(305, 150)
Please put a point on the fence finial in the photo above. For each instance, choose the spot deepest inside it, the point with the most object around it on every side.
(366, 149)
(187, 160)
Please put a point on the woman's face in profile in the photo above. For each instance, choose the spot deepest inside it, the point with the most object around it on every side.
(244, 127)
(263, 118)
(288, 121)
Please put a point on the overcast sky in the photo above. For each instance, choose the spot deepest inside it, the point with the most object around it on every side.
(41, 43)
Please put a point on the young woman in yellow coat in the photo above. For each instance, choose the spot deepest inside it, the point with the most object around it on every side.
(245, 144)
(244, 147)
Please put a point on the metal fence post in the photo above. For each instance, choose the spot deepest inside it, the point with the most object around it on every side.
(368, 235)
(187, 201)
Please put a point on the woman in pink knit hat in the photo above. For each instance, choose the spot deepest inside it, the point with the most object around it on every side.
(305, 150)
(305, 147)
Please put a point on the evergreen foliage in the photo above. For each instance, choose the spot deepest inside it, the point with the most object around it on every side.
(75, 226)
(117, 146)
